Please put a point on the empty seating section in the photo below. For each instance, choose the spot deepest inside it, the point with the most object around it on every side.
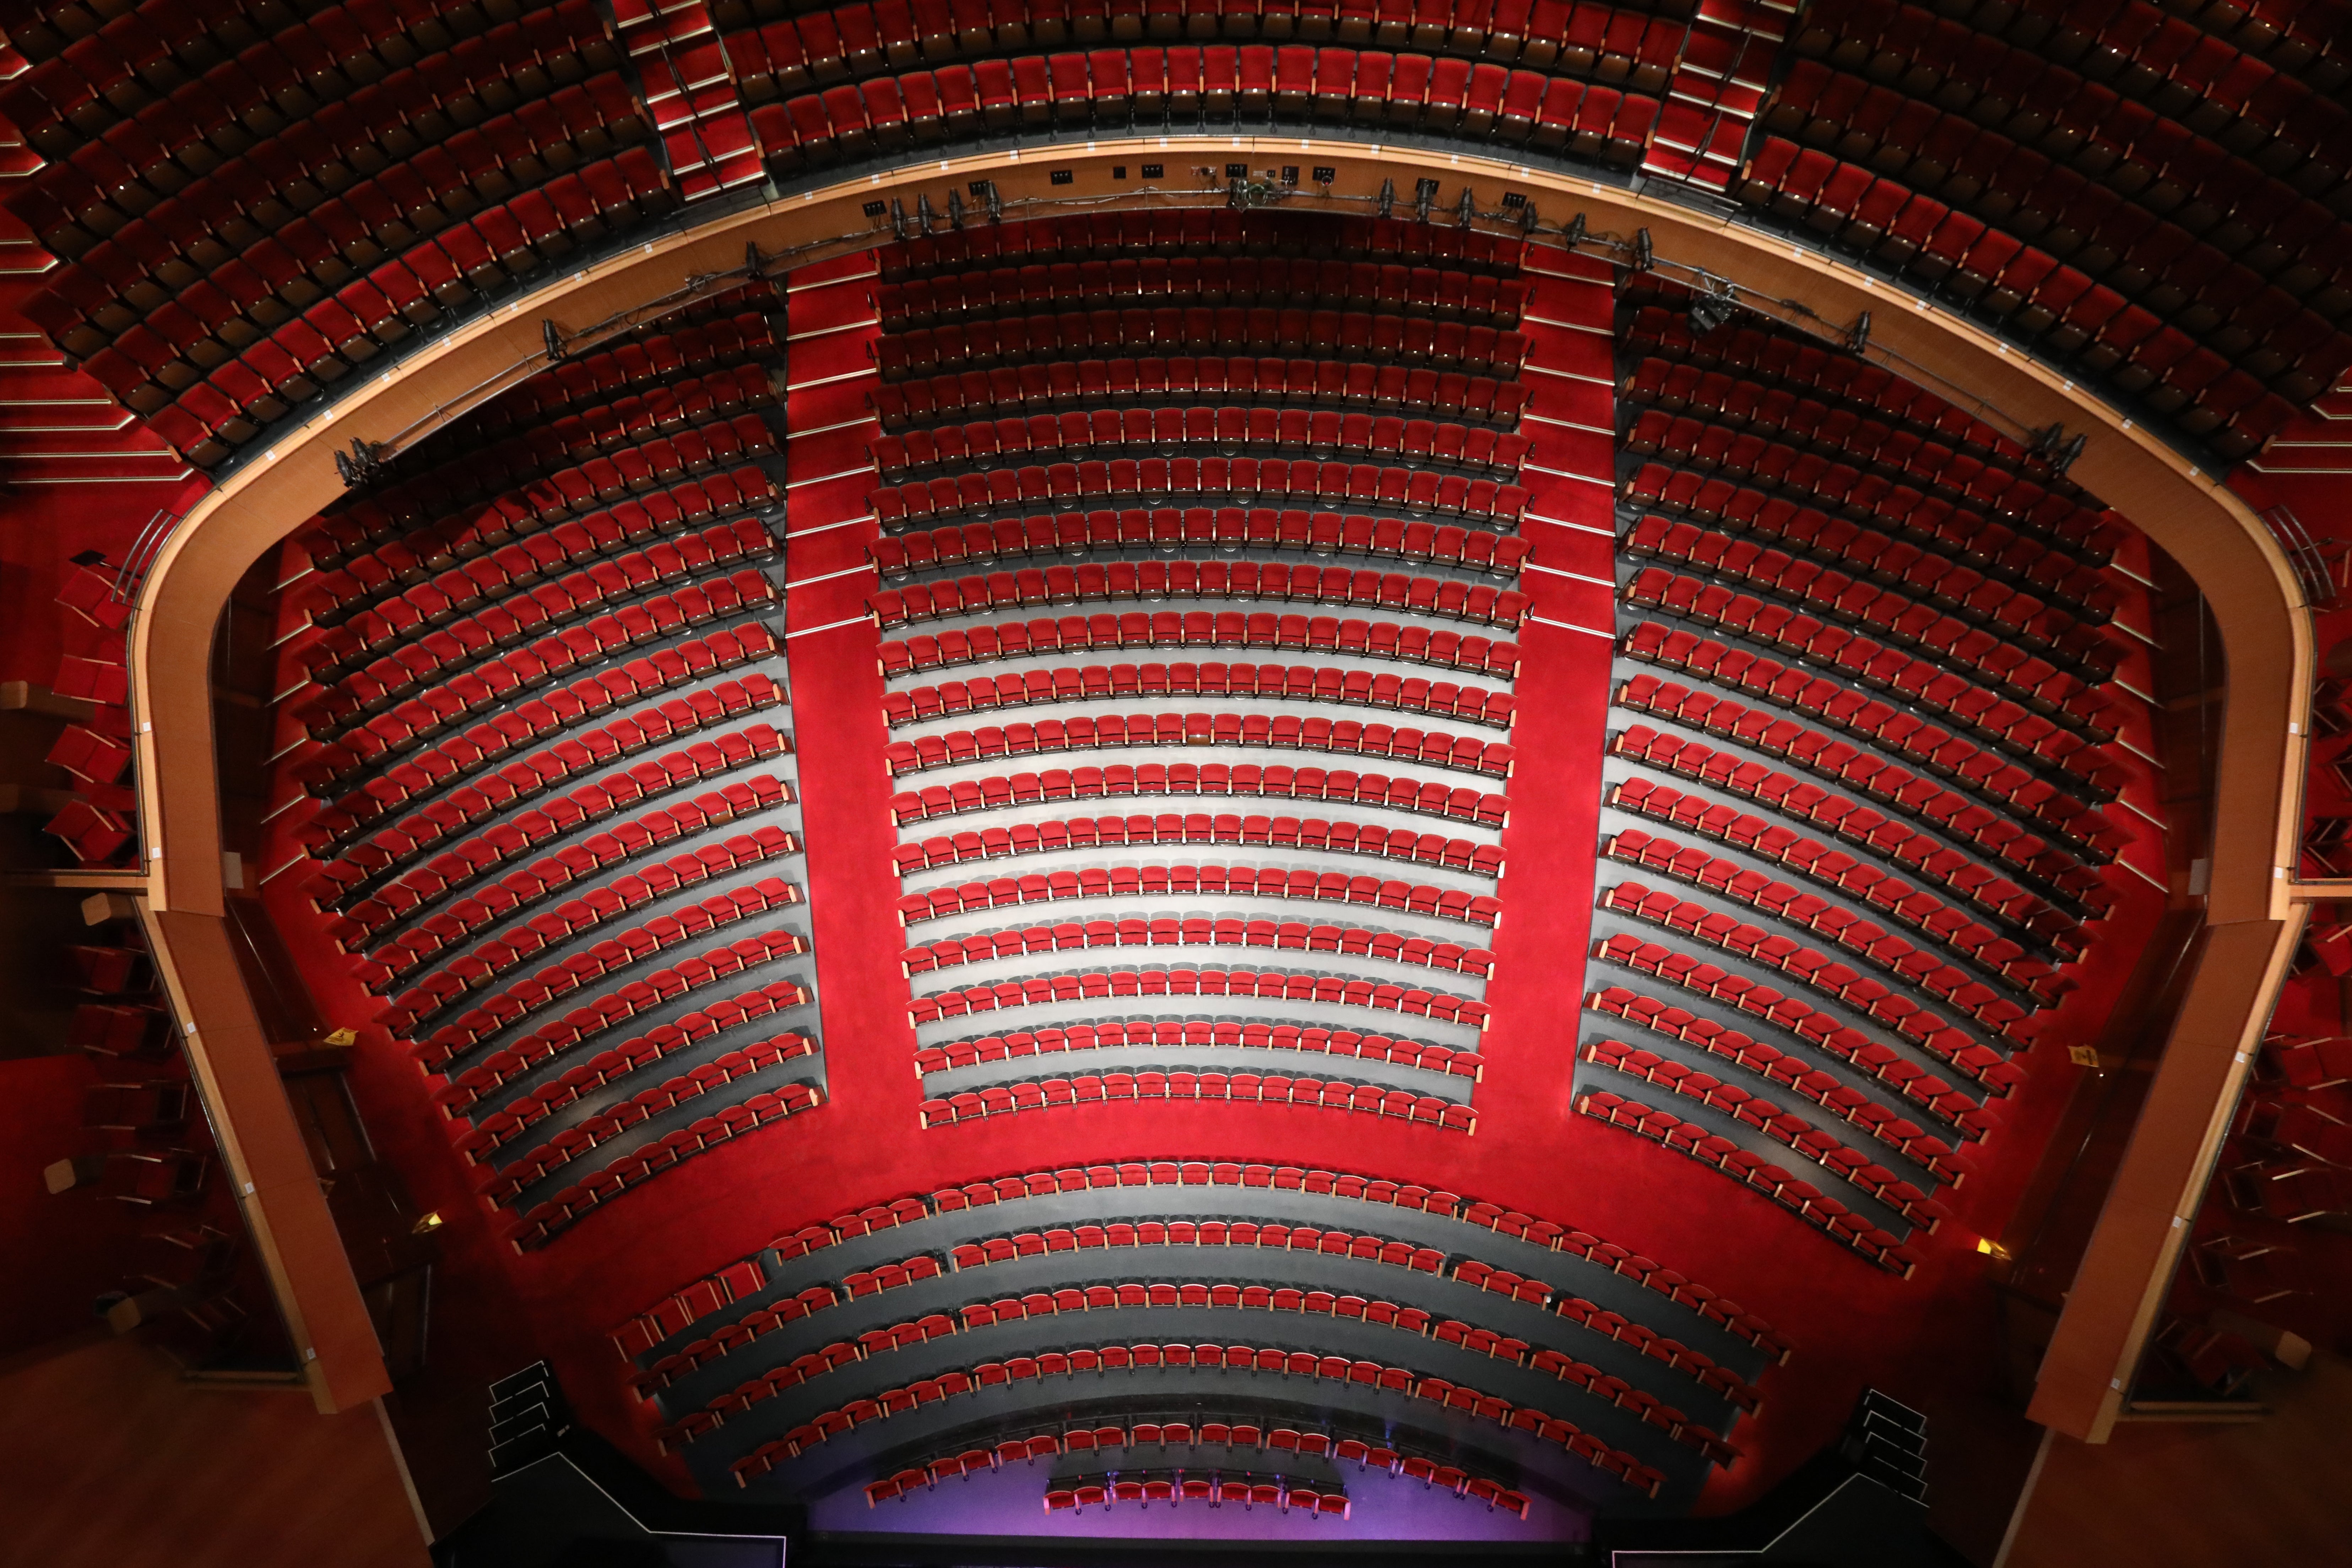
(1867, 713)
(549, 812)
(1167, 597)
(1137, 91)
(2157, 198)
(249, 212)
(1400, 1293)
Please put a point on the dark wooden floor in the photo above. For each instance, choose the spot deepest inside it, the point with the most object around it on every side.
(108, 1461)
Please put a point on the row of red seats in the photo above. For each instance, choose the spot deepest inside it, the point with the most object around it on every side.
(1927, 1093)
(1113, 232)
(1967, 530)
(1075, 336)
(1211, 778)
(1222, 1034)
(2044, 299)
(1329, 990)
(2293, 36)
(1404, 488)
(450, 984)
(1271, 1089)
(1753, 1110)
(2060, 709)
(371, 717)
(1739, 354)
(322, 772)
(2166, 261)
(1825, 1214)
(104, 65)
(2184, 65)
(597, 540)
(1800, 1018)
(505, 1186)
(127, 93)
(1180, 1488)
(944, 597)
(1199, 629)
(676, 1313)
(1160, 881)
(1117, 89)
(1997, 898)
(545, 1220)
(587, 1025)
(1009, 388)
(644, 362)
(195, 406)
(1967, 1118)
(2194, 197)
(1043, 1304)
(466, 1091)
(514, 1006)
(2080, 834)
(1296, 936)
(1241, 1434)
(1222, 527)
(1994, 709)
(1811, 967)
(1613, 41)
(516, 894)
(408, 532)
(1294, 682)
(1987, 948)
(1102, 1363)
(1110, 730)
(1702, 442)
(1170, 828)
(491, 790)
(1228, 429)
(1972, 578)
(345, 881)
(2311, 1064)
(1248, 282)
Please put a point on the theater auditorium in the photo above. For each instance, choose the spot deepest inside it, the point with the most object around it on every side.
(1103, 782)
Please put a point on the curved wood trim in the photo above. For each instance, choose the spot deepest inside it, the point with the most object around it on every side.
(2264, 627)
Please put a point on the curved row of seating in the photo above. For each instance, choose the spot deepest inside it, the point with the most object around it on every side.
(1199, 932)
(1307, 478)
(782, 1271)
(1034, 388)
(1240, 882)
(1737, 881)
(1175, 1442)
(1969, 766)
(1274, 282)
(1409, 341)
(1292, 682)
(1112, 732)
(1081, 833)
(1756, 362)
(1111, 234)
(998, 791)
(2030, 924)
(1224, 529)
(1199, 629)
(1636, 41)
(1802, 1199)
(1178, 1084)
(1231, 429)
(1272, 984)
(1167, 1035)
(1031, 588)
(477, 756)
(1397, 1382)
(2045, 837)
(1926, 1092)
(1142, 90)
